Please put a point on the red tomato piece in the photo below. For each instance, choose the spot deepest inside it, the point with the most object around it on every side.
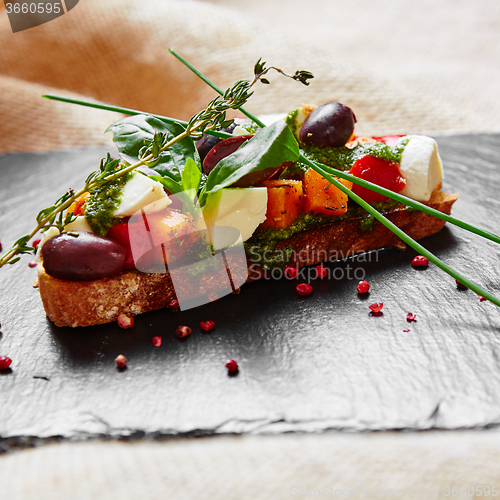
(120, 234)
(390, 140)
(382, 172)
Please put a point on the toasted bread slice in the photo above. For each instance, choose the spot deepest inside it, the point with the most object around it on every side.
(79, 303)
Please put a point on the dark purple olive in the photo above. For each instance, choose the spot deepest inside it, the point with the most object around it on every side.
(223, 149)
(328, 126)
(257, 178)
(230, 145)
(85, 257)
(207, 142)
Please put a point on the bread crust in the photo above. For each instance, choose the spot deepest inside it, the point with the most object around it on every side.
(77, 303)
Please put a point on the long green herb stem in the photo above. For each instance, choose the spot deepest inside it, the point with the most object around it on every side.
(213, 86)
(126, 111)
(213, 117)
(402, 235)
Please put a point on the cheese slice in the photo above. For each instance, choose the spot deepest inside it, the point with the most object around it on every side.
(239, 208)
(422, 168)
(79, 224)
(138, 192)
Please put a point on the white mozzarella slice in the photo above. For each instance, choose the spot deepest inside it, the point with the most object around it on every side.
(240, 208)
(238, 130)
(422, 167)
(138, 192)
(79, 224)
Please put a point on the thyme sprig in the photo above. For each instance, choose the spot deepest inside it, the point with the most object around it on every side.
(211, 119)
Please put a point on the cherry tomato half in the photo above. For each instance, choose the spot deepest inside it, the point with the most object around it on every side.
(382, 172)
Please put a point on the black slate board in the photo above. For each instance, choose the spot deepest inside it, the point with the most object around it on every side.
(306, 364)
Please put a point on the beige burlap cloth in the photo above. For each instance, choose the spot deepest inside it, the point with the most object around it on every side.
(402, 66)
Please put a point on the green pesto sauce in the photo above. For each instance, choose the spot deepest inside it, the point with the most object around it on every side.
(262, 246)
(291, 121)
(344, 158)
(101, 204)
(199, 255)
(294, 171)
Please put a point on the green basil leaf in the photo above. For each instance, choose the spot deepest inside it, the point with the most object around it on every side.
(269, 147)
(169, 184)
(191, 176)
(130, 134)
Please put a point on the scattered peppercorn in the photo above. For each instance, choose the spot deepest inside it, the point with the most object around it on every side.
(206, 326)
(121, 361)
(304, 289)
(183, 331)
(125, 321)
(321, 271)
(420, 261)
(173, 305)
(32, 263)
(481, 298)
(460, 286)
(411, 317)
(406, 330)
(157, 341)
(376, 308)
(232, 366)
(363, 287)
(291, 272)
(5, 362)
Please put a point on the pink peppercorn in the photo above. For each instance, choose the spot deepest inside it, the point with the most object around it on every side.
(411, 317)
(420, 261)
(206, 326)
(376, 308)
(481, 298)
(157, 341)
(321, 271)
(291, 272)
(183, 331)
(125, 321)
(121, 361)
(173, 305)
(304, 289)
(363, 287)
(5, 362)
(460, 285)
(232, 366)
(32, 263)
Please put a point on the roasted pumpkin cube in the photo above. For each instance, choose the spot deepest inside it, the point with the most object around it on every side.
(285, 200)
(322, 197)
